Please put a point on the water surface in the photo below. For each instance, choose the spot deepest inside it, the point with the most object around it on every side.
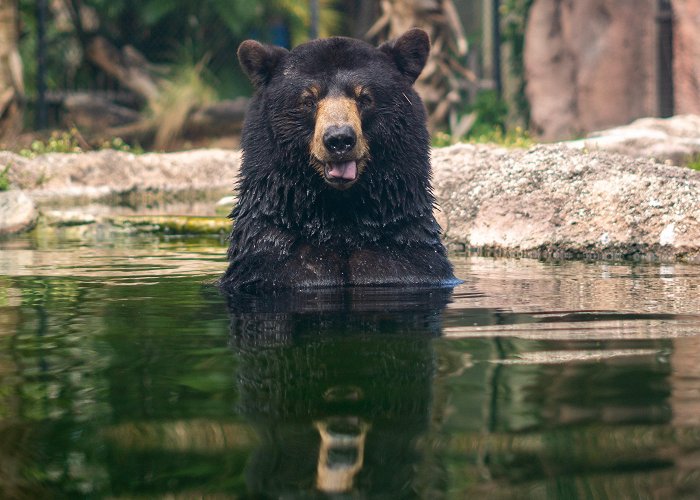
(124, 373)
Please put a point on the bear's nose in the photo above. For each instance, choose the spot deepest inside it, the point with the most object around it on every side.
(339, 139)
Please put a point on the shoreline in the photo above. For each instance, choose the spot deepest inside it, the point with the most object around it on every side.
(549, 201)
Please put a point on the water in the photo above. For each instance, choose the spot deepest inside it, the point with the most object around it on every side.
(124, 373)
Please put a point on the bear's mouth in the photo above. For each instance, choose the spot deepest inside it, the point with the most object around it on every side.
(340, 174)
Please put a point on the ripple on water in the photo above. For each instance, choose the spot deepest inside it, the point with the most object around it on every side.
(124, 374)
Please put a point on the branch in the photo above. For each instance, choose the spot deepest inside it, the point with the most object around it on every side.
(127, 66)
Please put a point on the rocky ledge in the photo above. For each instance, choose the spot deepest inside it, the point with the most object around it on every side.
(549, 201)
(555, 201)
(674, 140)
(104, 174)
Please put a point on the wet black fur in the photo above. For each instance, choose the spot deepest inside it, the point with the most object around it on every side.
(291, 229)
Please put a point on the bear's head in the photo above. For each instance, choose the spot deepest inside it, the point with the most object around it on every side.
(338, 105)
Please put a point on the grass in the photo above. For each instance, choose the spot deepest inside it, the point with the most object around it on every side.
(513, 138)
(490, 126)
(118, 144)
(69, 141)
(59, 142)
(5, 179)
(694, 162)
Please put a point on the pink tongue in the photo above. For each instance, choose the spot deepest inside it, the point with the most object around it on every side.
(346, 170)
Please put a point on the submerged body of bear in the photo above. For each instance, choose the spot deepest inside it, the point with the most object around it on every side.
(335, 182)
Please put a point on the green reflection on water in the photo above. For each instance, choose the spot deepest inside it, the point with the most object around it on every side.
(148, 383)
(94, 366)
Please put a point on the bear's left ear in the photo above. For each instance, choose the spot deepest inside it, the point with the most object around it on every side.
(259, 61)
(409, 52)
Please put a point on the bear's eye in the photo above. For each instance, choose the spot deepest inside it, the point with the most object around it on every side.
(308, 100)
(364, 98)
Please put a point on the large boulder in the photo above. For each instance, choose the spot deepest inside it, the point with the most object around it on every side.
(557, 201)
(102, 174)
(551, 200)
(675, 140)
(17, 212)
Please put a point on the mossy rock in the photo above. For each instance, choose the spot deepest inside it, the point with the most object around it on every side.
(174, 224)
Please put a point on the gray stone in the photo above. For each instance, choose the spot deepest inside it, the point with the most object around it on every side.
(675, 140)
(101, 174)
(553, 200)
(17, 212)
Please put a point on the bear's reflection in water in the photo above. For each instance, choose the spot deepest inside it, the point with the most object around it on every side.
(338, 385)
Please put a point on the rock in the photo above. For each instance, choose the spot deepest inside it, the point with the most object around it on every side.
(62, 218)
(102, 174)
(556, 201)
(675, 140)
(589, 65)
(174, 224)
(17, 212)
(552, 200)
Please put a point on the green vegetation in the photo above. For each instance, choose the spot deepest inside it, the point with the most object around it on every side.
(174, 224)
(491, 113)
(514, 14)
(490, 125)
(5, 179)
(59, 142)
(694, 162)
(70, 142)
(160, 29)
(118, 144)
(512, 138)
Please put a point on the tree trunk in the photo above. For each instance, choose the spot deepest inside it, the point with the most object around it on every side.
(11, 82)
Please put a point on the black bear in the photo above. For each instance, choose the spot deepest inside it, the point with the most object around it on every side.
(335, 182)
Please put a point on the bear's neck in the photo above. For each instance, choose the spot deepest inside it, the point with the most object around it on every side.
(385, 201)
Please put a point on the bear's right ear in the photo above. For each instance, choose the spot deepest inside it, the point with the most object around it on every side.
(409, 52)
(259, 61)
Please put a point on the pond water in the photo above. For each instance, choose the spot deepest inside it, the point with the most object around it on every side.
(124, 373)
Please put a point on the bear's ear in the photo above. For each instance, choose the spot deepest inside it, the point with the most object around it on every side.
(409, 52)
(259, 61)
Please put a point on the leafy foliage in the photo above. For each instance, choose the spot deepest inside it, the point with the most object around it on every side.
(512, 138)
(118, 144)
(694, 163)
(491, 112)
(4, 179)
(59, 142)
(514, 14)
(209, 30)
(490, 125)
(70, 142)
